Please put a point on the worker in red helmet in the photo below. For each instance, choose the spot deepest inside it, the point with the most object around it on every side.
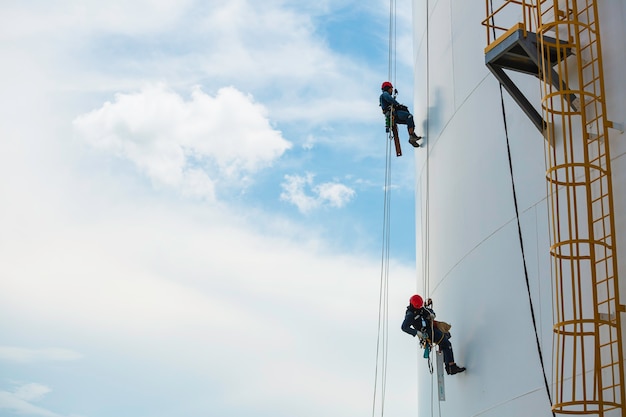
(419, 320)
(401, 112)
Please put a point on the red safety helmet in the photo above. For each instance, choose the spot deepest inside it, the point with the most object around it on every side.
(386, 85)
(417, 302)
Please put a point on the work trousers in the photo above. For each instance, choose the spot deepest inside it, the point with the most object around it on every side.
(403, 117)
(443, 340)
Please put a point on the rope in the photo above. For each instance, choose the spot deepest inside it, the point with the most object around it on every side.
(426, 216)
(519, 231)
(521, 242)
(382, 342)
(392, 42)
(426, 223)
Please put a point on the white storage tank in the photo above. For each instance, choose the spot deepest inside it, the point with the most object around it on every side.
(469, 251)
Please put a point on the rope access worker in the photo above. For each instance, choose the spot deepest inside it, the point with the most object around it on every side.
(401, 112)
(420, 321)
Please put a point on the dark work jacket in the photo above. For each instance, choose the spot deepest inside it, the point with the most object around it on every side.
(418, 321)
(386, 100)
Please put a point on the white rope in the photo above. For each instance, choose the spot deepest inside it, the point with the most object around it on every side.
(425, 206)
(382, 344)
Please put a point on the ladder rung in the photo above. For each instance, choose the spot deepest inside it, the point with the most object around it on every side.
(598, 220)
(593, 80)
(598, 178)
(600, 260)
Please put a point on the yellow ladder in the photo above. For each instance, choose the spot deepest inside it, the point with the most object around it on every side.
(588, 356)
(588, 351)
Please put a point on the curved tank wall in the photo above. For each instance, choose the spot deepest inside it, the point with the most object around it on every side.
(468, 249)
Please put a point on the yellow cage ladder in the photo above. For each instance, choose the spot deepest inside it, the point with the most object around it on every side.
(559, 40)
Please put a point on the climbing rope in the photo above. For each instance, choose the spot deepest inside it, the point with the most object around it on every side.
(425, 220)
(519, 231)
(426, 203)
(392, 42)
(382, 342)
(521, 243)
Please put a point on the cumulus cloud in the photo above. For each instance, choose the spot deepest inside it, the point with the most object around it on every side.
(190, 146)
(19, 401)
(330, 194)
(274, 49)
(163, 284)
(19, 354)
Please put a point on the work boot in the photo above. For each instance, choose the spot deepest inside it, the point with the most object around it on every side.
(413, 138)
(452, 369)
(413, 141)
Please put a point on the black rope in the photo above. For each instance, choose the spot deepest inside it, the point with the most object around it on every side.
(521, 243)
(521, 239)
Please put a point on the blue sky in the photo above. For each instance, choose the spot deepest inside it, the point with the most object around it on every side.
(192, 208)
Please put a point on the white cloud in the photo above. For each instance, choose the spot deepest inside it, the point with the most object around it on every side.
(270, 48)
(294, 192)
(196, 305)
(39, 17)
(176, 296)
(331, 194)
(336, 194)
(31, 392)
(19, 401)
(20, 354)
(187, 145)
